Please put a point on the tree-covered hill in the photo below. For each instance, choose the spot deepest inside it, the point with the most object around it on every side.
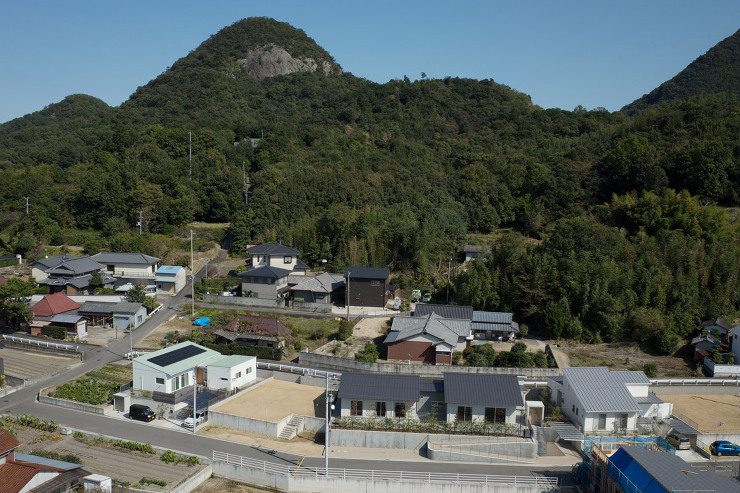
(717, 72)
(396, 175)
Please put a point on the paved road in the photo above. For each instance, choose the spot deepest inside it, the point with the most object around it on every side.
(24, 401)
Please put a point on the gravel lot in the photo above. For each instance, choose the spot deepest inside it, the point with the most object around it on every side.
(275, 400)
(707, 410)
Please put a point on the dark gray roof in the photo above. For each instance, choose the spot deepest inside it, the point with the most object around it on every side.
(98, 307)
(323, 283)
(300, 265)
(387, 387)
(650, 399)
(272, 249)
(446, 329)
(127, 307)
(460, 312)
(367, 272)
(226, 334)
(53, 261)
(75, 266)
(482, 389)
(492, 317)
(58, 483)
(66, 318)
(670, 471)
(719, 322)
(124, 258)
(705, 338)
(266, 271)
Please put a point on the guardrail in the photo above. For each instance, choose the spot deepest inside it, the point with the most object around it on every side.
(695, 381)
(155, 310)
(381, 475)
(46, 344)
(311, 372)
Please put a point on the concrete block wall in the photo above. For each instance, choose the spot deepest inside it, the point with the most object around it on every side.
(80, 406)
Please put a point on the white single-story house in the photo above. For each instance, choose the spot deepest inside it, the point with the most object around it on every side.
(598, 401)
(379, 395)
(176, 367)
(170, 279)
(484, 398)
(231, 372)
(127, 314)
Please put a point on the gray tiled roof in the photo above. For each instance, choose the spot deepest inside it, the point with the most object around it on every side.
(670, 471)
(53, 261)
(719, 322)
(388, 387)
(461, 312)
(704, 338)
(492, 317)
(66, 318)
(445, 329)
(600, 391)
(127, 307)
(367, 272)
(124, 258)
(735, 330)
(75, 266)
(630, 377)
(323, 283)
(98, 307)
(432, 385)
(650, 399)
(482, 389)
(272, 249)
(266, 271)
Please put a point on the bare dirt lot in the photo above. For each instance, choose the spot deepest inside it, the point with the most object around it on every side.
(221, 485)
(29, 364)
(303, 444)
(275, 400)
(121, 465)
(624, 356)
(707, 410)
(366, 330)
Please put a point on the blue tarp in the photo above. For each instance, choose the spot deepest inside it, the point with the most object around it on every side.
(203, 322)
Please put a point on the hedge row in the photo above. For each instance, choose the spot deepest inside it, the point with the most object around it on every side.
(261, 352)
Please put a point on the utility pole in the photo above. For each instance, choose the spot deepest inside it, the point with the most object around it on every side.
(326, 430)
(449, 259)
(141, 220)
(195, 393)
(192, 275)
(349, 273)
(190, 142)
(26, 205)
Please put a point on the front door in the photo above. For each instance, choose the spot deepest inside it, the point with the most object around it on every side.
(535, 416)
(199, 376)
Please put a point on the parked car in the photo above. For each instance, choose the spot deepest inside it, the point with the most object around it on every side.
(415, 295)
(200, 419)
(141, 412)
(678, 440)
(723, 447)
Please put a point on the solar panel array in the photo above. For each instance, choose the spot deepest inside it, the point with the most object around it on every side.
(177, 355)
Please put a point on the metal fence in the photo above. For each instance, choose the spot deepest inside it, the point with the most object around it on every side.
(310, 372)
(381, 475)
(46, 344)
(695, 381)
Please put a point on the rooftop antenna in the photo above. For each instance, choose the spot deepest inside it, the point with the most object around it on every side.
(190, 142)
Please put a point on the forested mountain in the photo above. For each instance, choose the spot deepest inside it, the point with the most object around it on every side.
(717, 72)
(578, 206)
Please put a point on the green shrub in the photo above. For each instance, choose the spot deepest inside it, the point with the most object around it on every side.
(135, 446)
(159, 482)
(171, 457)
(456, 355)
(650, 370)
(261, 352)
(79, 435)
(369, 353)
(50, 454)
(345, 330)
(54, 331)
(33, 422)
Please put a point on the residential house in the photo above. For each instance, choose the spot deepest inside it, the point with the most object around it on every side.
(70, 275)
(733, 338)
(266, 282)
(720, 325)
(367, 286)
(703, 345)
(276, 255)
(379, 395)
(484, 398)
(170, 373)
(324, 288)
(637, 469)
(430, 339)
(251, 330)
(21, 473)
(486, 325)
(130, 266)
(53, 304)
(597, 400)
(472, 252)
(98, 313)
(170, 279)
(126, 314)
(75, 325)
(39, 267)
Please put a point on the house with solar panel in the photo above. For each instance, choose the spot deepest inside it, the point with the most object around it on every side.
(170, 373)
(599, 401)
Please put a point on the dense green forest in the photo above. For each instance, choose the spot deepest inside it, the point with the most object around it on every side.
(603, 226)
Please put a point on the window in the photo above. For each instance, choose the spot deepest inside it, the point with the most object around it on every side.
(320, 297)
(238, 375)
(355, 408)
(249, 370)
(159, 381)
(495, 415)
(375, 283)
(380, 409)
(184, 380)
(287, 260)
(602, 422)
(623, 421)
(464, 413)
(400, 410)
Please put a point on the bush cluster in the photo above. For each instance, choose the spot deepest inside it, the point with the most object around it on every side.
(428, 426)
(159, 482)
(87, 390)
(33, 422)
(171, 457)
(54, 331)
(136, 446)
(50, 454)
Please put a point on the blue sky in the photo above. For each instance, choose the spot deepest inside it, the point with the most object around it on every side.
(562, 54)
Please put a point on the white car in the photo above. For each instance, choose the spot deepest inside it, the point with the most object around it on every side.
(188, 423)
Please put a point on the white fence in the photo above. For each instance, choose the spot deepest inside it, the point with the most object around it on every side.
(380, 475)
(694, 381)
(310, 372)
(46, 344)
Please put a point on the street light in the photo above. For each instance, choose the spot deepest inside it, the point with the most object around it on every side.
(327, 426)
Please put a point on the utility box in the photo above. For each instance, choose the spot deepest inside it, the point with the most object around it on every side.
(121, 401)
(97, 482)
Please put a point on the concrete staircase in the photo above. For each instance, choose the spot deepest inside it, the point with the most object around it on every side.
(539, 437)
(292, 428)
(185, 412)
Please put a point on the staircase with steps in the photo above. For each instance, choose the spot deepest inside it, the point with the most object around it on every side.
(185, 412)
(292, 428)
(539, 437)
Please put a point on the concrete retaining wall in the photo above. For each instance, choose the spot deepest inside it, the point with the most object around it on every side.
(313, 424)
(80, 406)
(194, 481)
(242, 301)
(336, 485)
(350, 365)
(42, 349)
(269, 428)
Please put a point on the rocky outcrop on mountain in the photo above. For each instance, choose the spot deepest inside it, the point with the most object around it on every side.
(271, 60)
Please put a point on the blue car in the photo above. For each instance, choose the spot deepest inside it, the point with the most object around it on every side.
(723, 447)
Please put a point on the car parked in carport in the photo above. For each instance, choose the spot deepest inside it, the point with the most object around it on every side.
(723, 447)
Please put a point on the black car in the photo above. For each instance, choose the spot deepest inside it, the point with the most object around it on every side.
(141, 412)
